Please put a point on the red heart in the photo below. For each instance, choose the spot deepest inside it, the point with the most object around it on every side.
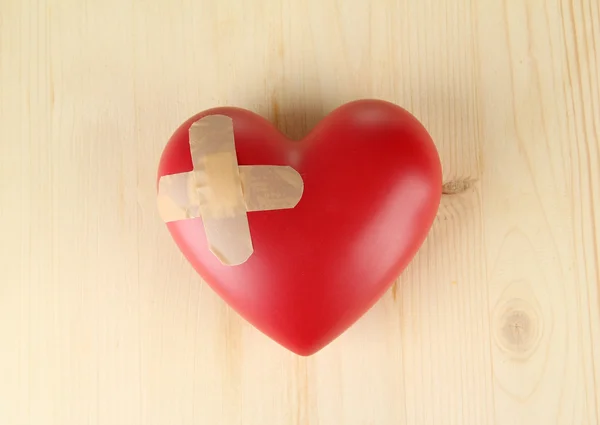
(372, 186)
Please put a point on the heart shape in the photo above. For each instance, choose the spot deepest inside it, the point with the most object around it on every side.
(372, 187)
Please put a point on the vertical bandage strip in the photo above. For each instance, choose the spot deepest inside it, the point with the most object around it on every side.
(221, 192)
(219, 189)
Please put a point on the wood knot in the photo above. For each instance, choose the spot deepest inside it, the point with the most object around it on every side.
(517, 328)
(455, 187)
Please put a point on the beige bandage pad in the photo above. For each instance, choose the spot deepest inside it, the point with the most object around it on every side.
(221, 192)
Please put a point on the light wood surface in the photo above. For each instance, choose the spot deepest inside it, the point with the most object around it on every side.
(497, 320)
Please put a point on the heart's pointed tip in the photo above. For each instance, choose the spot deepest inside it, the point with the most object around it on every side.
(305, 351)
(304, 348)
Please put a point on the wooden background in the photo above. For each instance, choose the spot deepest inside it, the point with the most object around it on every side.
(497, 320)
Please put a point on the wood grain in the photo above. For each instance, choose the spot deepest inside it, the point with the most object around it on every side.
(496, 321)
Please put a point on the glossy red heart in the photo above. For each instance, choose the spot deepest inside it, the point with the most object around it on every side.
(372, 187)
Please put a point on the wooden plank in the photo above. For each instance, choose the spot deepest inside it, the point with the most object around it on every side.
(496, 321)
